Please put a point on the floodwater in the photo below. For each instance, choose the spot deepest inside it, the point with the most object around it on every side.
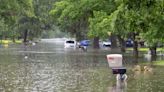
(48, 67)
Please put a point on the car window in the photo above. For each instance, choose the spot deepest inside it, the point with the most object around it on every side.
(69, 41)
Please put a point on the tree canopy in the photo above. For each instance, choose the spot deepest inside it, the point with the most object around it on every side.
(82, 18)
(135, 19)
(25, 16)
(73, 15)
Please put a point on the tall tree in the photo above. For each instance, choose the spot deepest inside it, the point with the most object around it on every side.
(12, 10)
(3, 29)
(73, 15)
(153, 24)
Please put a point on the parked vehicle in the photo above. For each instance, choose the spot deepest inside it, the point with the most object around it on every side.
(84, 43)
(70, 44)
(106, 43)
(129, 43)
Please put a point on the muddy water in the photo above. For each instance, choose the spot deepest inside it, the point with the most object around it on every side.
(48, 67)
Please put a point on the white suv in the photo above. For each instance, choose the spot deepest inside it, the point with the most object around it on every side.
(106, 43)
(70, 44)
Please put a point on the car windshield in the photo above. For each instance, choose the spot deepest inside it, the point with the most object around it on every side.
(69, 41)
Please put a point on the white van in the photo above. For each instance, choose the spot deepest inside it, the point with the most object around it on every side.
(70, 44)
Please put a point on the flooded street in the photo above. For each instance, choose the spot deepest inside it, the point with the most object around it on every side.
(48, 67)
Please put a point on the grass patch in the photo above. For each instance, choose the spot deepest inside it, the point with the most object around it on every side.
(10, 41)
(140, 49)
(145, 49)
(159, 63)
(18, 41)
(5, 41)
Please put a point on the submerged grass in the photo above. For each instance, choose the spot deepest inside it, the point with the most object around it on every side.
(145, 49)
(10, 41)
(161, 63)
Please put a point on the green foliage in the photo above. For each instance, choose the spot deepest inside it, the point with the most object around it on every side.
(26, 8)
(11, 11)
(153, 19)
(3, 28)
(32, 24)
(41, 10)
(73, 15)
(121, 17)
(8, 10)
(144, 17)
(110, 23)
(97, 24)
(31, 15)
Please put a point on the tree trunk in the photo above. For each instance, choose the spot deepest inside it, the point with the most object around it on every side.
(153, 51)
(96, 43)
(13, 38)
(113, 39)
(135, 47)
(122, 43)
(79, 36)
(25, 36)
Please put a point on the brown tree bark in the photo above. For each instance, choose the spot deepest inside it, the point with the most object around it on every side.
(113, 39)
(135, 47)
(153, 51)
(122, 43)
(25, 36)
(96, 43)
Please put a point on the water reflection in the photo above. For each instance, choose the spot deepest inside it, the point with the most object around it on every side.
(120, 86)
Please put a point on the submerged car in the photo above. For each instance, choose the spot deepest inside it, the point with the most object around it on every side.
(70, 44)
(106, 43)
(84, 43)
(129, 43)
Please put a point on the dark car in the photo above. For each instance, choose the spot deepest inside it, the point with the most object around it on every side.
(129, 43)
